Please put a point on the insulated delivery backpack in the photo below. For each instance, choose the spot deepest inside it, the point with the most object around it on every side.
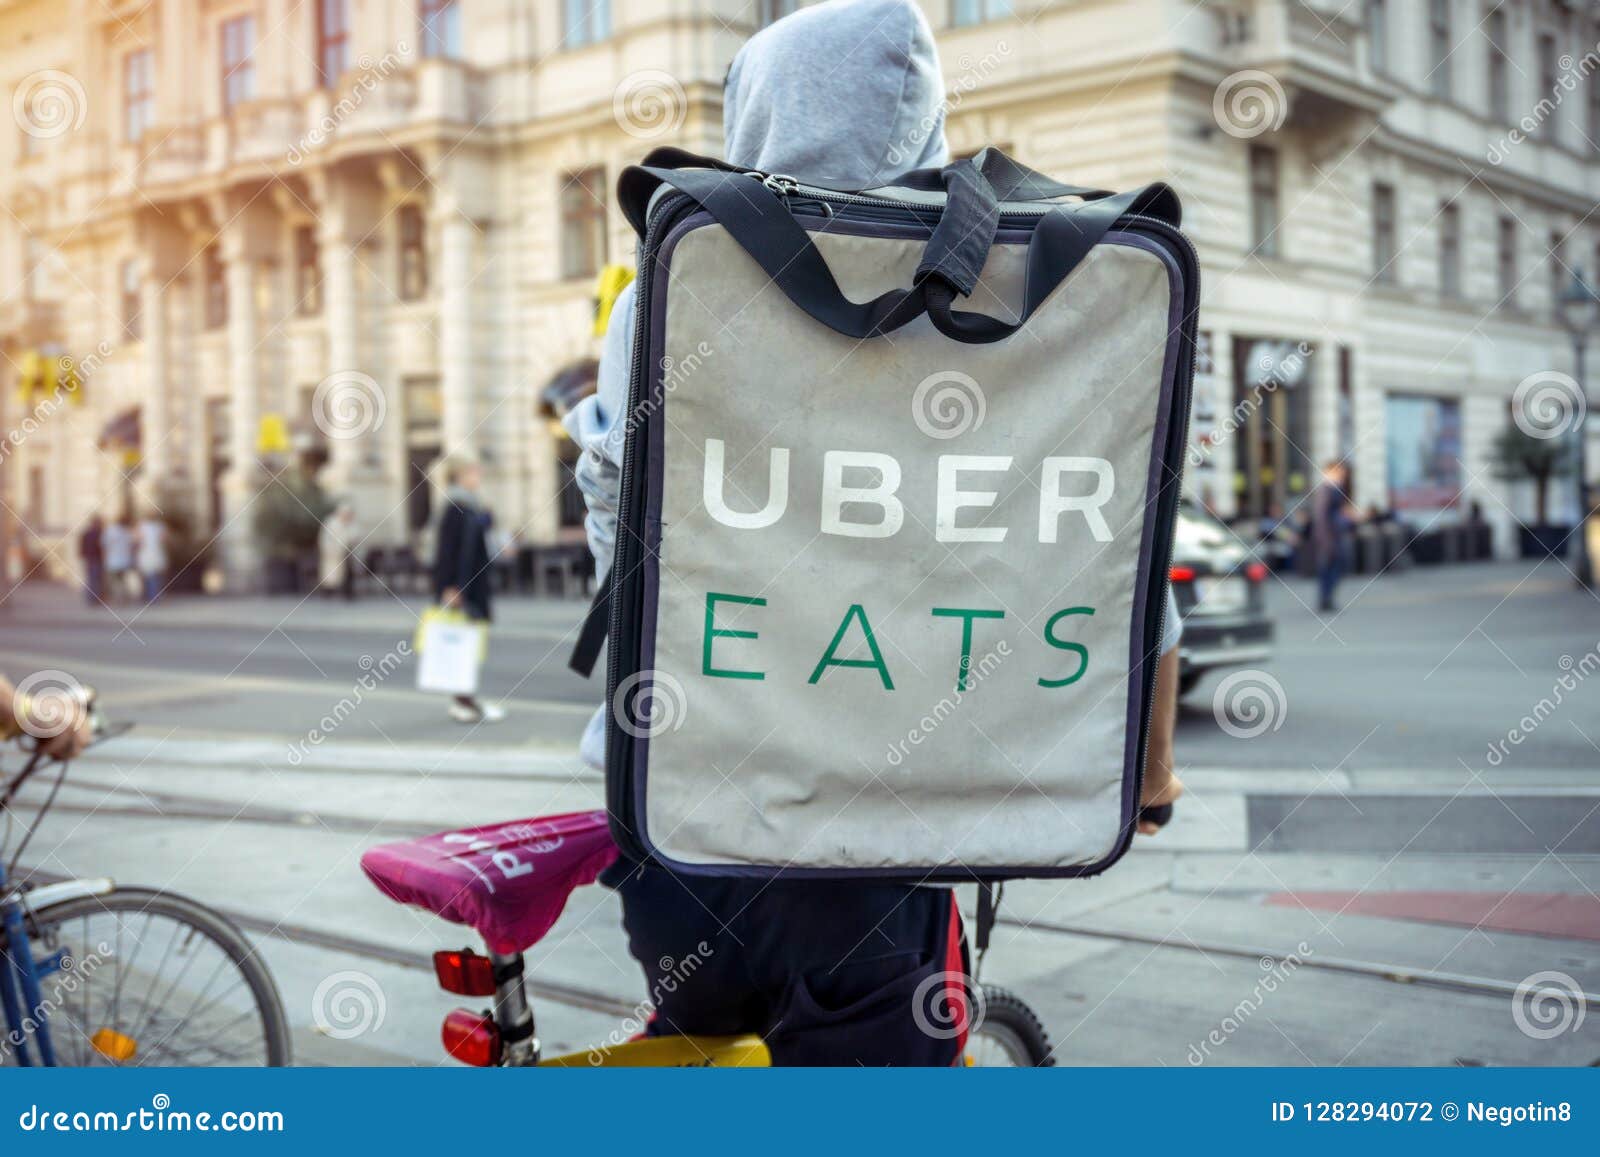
(898, 491)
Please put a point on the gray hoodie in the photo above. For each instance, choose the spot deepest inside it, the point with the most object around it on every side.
(845, 94)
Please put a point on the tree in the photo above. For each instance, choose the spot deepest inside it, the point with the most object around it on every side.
(289, 513)
(1519, 456)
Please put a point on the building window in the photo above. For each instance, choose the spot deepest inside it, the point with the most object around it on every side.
(238, 60)
(138, 93)
(1549, 85)
(1377, 15)
(586, 21)
(583, 223)
(1499, 66)
(216, 288)
(1559, 274)
(769, 11)
(441, 29)
(1385, 233)
(1450, 251)
(333, 40)
(967, 12)
(1264, 200)
(413, 254)
(128, 295)
(1439, 40)
(307, 272)
(1506, 258)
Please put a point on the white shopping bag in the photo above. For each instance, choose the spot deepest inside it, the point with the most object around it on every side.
(450, 654)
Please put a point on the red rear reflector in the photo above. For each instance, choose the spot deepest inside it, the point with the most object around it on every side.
(472, 1038)
(1256, 571)
(465, 973)
(1182, 574)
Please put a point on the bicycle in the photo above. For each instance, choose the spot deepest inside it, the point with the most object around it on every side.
(510, 883)
(72, 950)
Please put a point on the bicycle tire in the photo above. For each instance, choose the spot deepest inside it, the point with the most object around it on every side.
(1010, 1024)
(221, 931)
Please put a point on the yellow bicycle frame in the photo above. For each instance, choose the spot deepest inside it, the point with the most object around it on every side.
(672, 1052)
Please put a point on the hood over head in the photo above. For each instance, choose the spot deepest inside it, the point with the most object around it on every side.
(846, 94)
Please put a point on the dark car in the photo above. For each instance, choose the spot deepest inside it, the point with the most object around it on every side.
(1218, 583)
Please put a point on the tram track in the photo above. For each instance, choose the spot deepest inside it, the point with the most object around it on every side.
(183, 807)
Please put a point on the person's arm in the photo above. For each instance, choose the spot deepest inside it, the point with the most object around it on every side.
(62, 738)
(1161, 782)
(447, 555)
(598, 425)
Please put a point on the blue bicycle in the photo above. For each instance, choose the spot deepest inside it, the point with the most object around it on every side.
(96, 974)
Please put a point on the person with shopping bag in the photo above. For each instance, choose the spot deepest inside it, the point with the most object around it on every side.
(462, 576)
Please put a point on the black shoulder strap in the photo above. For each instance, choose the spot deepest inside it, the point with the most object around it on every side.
(593, 633)
(761, 223)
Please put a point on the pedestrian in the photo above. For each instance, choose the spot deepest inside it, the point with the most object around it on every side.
(1332, 517)
(91, 549)
(462, 575)
(336, 561)
(116, 544)
(846, 93)
(152, 555)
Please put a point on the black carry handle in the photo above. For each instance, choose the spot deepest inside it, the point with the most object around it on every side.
(1159, 814)
(1011, 180)
(592, 635)
(761, 223)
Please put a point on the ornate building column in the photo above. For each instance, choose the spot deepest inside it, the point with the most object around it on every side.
(246, 254)
(351, 406)
(457, 236)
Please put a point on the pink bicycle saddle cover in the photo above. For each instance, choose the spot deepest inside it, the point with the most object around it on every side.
(509, 881)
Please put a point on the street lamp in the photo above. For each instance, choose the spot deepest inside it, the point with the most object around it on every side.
(1579, 311)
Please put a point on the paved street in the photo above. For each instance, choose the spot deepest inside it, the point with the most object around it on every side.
(1363, 860)
(1424, 669)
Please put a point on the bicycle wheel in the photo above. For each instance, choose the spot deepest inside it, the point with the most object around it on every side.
(1008, 1035)
(146, 978)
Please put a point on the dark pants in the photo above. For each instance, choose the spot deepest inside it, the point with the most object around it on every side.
(835, 973)
(1329, 572)
(94, 581)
